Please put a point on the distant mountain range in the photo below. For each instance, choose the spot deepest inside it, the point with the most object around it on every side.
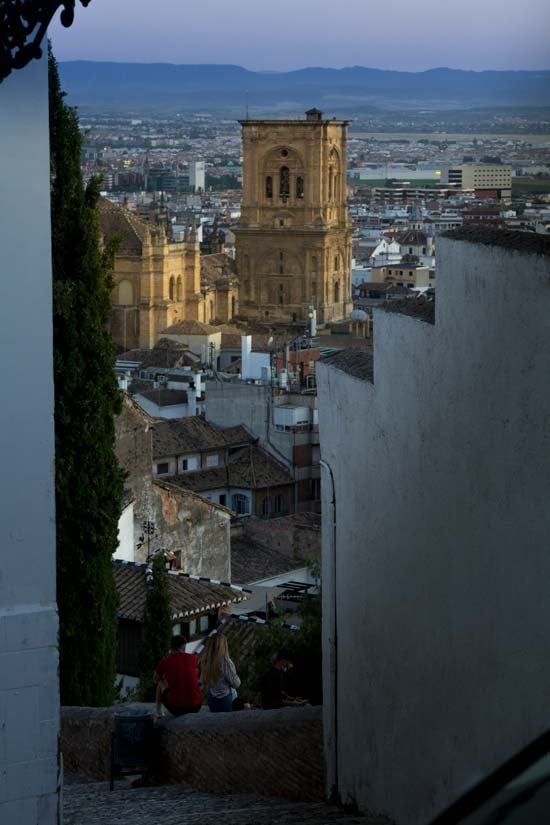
(164, 85)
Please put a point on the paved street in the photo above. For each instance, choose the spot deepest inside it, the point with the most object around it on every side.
(94, 804)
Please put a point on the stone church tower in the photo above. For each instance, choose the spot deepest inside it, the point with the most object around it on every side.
(293, 242)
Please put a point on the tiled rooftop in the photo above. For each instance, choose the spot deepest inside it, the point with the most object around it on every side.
(191, 328)
(252, 562)
(116, 221)
(250, 468)
(165, 398)
(195, 434)
(189, 595)
(166, 353)
(216, 266)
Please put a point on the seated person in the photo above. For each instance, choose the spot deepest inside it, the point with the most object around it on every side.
(218, 674)
(177, 677)
(273, 684)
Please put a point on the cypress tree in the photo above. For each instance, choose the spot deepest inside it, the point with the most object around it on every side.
(157, 628)
(88, 479)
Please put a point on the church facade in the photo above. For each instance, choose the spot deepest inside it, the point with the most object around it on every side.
(293, 241)
(157, 283)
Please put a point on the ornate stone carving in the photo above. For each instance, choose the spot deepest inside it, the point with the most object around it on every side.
(23, 25)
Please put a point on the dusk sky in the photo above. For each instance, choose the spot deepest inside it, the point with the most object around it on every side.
(288, 34)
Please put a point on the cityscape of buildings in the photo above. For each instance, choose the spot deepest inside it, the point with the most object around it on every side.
(331, 354)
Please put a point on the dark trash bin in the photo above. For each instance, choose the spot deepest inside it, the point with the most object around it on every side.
(132, 742)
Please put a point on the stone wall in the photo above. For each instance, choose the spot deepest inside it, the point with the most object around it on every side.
(274, 752)
(196, 530)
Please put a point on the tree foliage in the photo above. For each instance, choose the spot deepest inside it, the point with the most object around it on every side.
(157, 628)
(306, 645)
(88, 479)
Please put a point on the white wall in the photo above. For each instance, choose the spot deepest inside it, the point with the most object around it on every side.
(126, 550)
(254, 365)
(442, 471)
(286, 415)
(170, 411)
(29, 700)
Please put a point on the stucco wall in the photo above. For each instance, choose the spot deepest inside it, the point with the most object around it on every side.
(194, 529)
(232, 403)
(271, 752)
(297, 536)
(28, 620)
(184, 524)
(442, 478)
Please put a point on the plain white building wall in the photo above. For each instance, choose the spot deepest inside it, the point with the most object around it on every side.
(197, 175)
(254, 365)
(29, 700)
(442, 484)
(170, 411)
(126, 550)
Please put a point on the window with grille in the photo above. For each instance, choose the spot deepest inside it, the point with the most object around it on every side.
(240, 504)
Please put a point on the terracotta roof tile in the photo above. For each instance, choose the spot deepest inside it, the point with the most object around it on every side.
(195, 434)
(250, 468)
(191, 328)
(116, 221)
(165, 398)
(189, 595)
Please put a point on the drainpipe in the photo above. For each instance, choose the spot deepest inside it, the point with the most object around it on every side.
(333, 781)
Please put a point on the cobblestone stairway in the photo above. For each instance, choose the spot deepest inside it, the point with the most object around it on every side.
(94, 804)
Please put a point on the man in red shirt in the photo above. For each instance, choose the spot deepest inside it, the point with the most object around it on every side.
(178, 676)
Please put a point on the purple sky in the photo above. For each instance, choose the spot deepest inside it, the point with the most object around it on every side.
(286, 34)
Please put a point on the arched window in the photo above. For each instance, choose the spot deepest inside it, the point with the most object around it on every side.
(211, 310)
(266, 506)
(171, 289)
(284, 183)
(179, 290)
(336, 262)
(269, 187)
(299, 187)
(330, 183)
(336, 292)
(233, 304)
(279, 504)
(239, 504)
(125, 293)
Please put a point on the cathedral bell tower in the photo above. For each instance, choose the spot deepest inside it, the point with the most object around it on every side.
(293, 241)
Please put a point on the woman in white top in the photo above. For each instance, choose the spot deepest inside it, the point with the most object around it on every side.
(218, 674)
